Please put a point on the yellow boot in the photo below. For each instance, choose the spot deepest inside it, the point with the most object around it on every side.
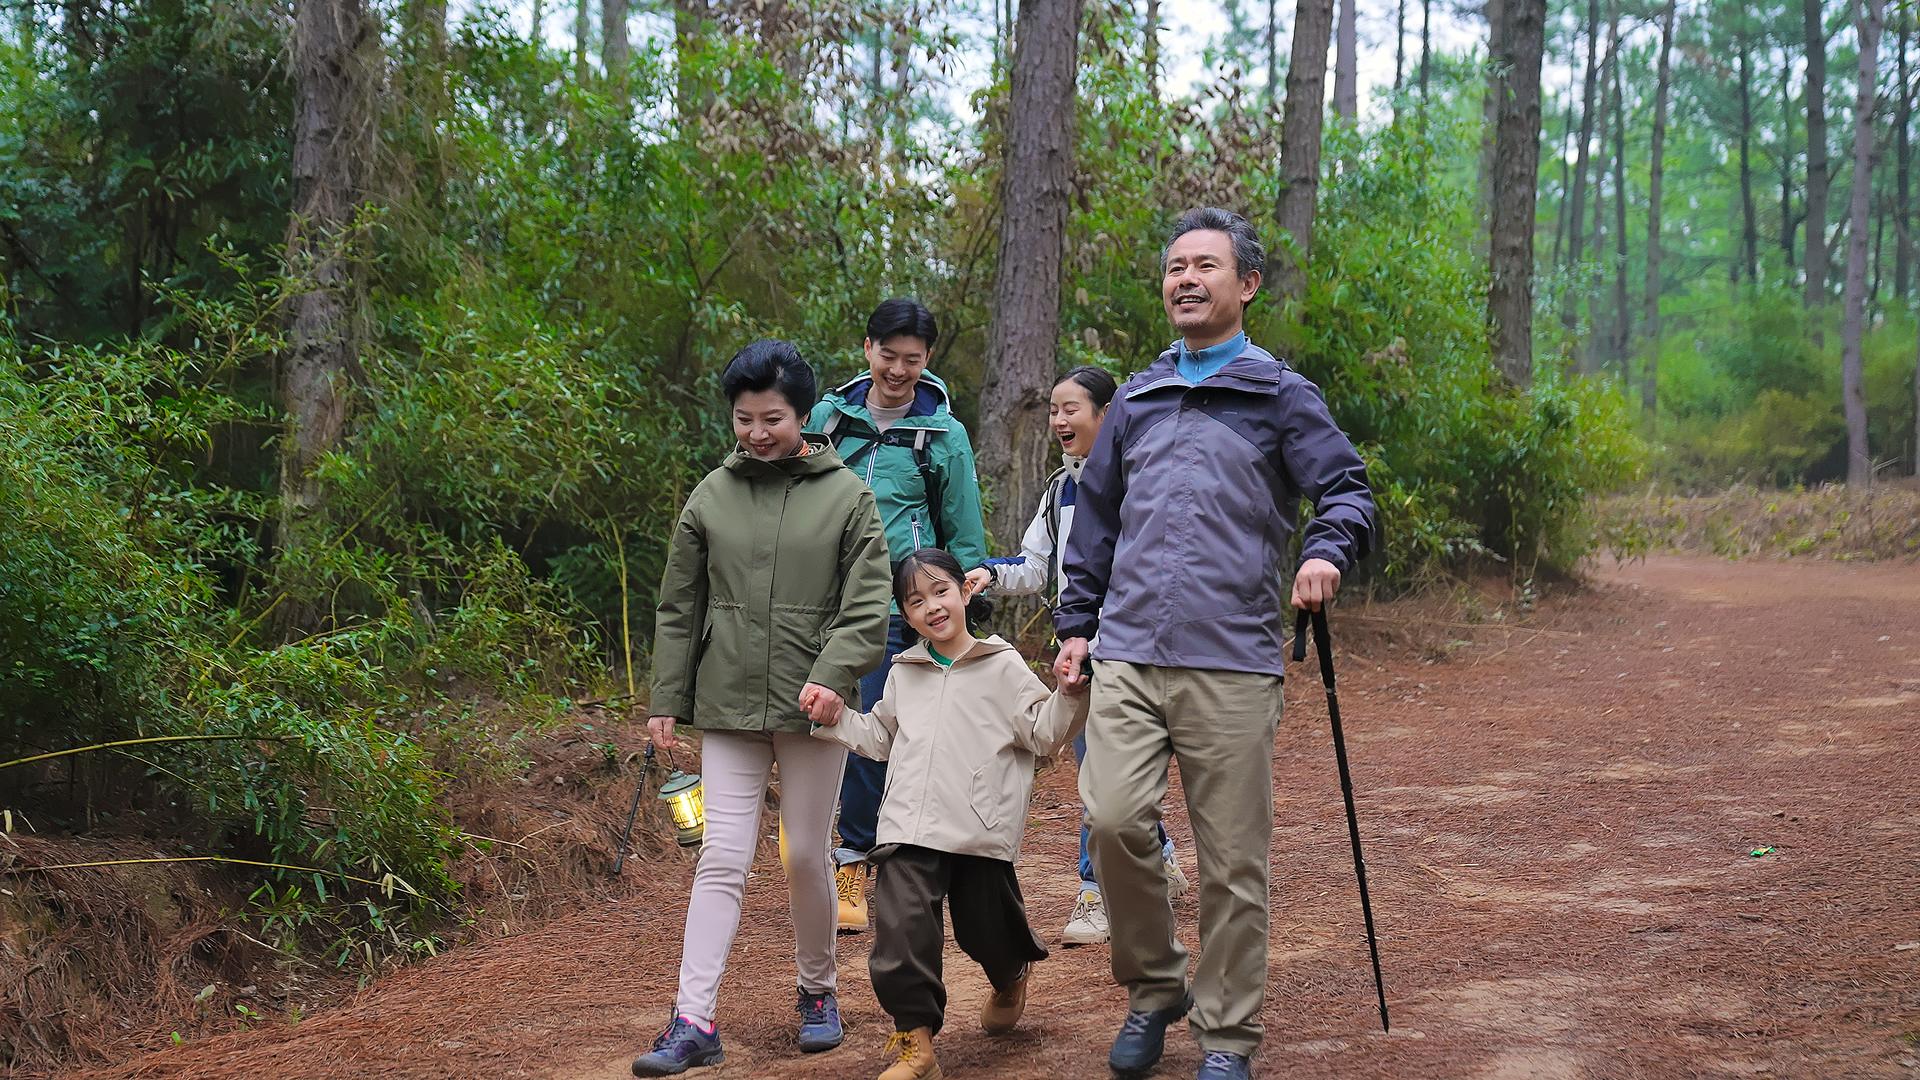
(912, 1054)
(850, 881)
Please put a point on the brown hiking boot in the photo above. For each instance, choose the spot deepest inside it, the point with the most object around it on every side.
(1003, 1008)
(912, 1054)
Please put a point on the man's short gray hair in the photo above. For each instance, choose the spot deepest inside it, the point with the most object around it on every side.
(1248, 256)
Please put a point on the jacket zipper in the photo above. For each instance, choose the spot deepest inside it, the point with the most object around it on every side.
(766, 714)
(915, 520)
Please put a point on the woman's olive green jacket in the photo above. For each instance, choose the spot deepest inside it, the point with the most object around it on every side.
(777, 576)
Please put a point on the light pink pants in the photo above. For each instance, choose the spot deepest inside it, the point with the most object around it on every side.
(734, 768)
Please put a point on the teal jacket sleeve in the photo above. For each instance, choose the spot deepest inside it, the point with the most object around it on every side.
(964, 533)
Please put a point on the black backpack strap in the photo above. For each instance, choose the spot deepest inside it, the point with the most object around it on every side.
(929, 479)
(1055, 485)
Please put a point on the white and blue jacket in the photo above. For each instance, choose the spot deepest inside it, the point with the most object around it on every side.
(1041, 564)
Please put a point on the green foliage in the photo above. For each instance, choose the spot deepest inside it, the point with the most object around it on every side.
(552, 274)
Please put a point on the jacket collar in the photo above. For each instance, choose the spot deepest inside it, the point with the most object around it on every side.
(1254, 371)
(931, 406)
(982, 648)
(1073, 465)
(822, 458)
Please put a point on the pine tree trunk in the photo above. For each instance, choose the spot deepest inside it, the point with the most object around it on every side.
(1489, 116)
(582, 33)
(1426, 48)
(1656, 165)
(616, 56)
(1517, 154)
(335, 67)
(536, 24)
(1815, 243)
(691, 98)
(1399, 47)
(1024, 337)
(1788, 223)
(1300, 130)
(1859, 462)
(1273, 54)
(1346, 64)
(1903, 171)
(1561, 212)
(1569, 309)
(1622, 309)
(1749, 229)
(1590, 356)
(1153, 49)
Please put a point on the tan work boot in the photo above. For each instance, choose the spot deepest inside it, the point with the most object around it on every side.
(1003, 1008)
(912, 1054)
(850, 881)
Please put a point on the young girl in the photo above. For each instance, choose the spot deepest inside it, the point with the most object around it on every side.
(1079, 404)
(960, 725)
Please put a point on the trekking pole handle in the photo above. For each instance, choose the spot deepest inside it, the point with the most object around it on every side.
(1322, 641)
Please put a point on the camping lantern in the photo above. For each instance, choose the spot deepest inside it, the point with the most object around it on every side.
(684, 802)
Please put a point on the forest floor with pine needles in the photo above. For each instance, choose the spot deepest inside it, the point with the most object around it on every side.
(1663, 827)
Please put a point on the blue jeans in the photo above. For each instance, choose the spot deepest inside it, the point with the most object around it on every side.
(865, 780)
(1087, 880)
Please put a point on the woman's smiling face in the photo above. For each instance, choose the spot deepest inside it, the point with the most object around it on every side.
(766, 424)
(1074, 418)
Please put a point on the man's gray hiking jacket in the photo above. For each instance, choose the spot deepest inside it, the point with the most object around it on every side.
(1186, 507)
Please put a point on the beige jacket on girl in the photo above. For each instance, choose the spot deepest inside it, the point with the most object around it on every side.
(960, 743)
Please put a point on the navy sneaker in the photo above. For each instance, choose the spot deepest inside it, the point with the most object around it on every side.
(1142, 1038)
(1221, 1065)
(819, 1022)
(680, 1047)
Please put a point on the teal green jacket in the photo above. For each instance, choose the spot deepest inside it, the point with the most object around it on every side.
(913, 517)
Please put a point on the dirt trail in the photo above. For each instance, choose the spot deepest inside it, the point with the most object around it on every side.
(1558, 818)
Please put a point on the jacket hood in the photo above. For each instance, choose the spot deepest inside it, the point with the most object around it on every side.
(982, 648)
(930, 399)
(823, 458)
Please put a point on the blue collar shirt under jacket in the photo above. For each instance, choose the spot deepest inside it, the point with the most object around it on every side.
(1198, 367)
(1187, 505)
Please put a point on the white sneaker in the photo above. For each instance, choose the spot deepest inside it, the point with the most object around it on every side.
(1088, 926)
(1177, 884)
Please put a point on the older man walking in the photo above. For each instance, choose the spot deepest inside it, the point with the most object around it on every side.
(1187, 506)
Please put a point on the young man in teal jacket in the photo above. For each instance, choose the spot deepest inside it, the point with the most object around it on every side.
(894, 428)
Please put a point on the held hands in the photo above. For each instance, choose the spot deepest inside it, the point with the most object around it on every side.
(823, 705)
(661, 728)
(1315, 585)
(1067, 666)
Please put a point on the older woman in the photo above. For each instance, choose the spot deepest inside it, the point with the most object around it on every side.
(773, 604)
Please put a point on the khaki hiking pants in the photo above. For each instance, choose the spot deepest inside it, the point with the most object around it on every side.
(735, 768)
(1220, 726)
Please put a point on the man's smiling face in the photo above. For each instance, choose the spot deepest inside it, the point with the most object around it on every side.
(1205, 295)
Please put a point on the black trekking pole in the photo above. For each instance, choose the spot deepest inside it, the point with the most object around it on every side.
(1323, 644)
(639, 789)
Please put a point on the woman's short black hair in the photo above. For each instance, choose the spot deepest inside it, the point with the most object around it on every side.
(1096, 381)
(937, 561)
(770, 364)
(902, 315)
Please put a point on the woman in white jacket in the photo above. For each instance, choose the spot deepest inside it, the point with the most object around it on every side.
(1079, 404)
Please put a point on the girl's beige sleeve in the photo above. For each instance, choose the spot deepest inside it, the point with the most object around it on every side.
(1044, 722)
(869, 734)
